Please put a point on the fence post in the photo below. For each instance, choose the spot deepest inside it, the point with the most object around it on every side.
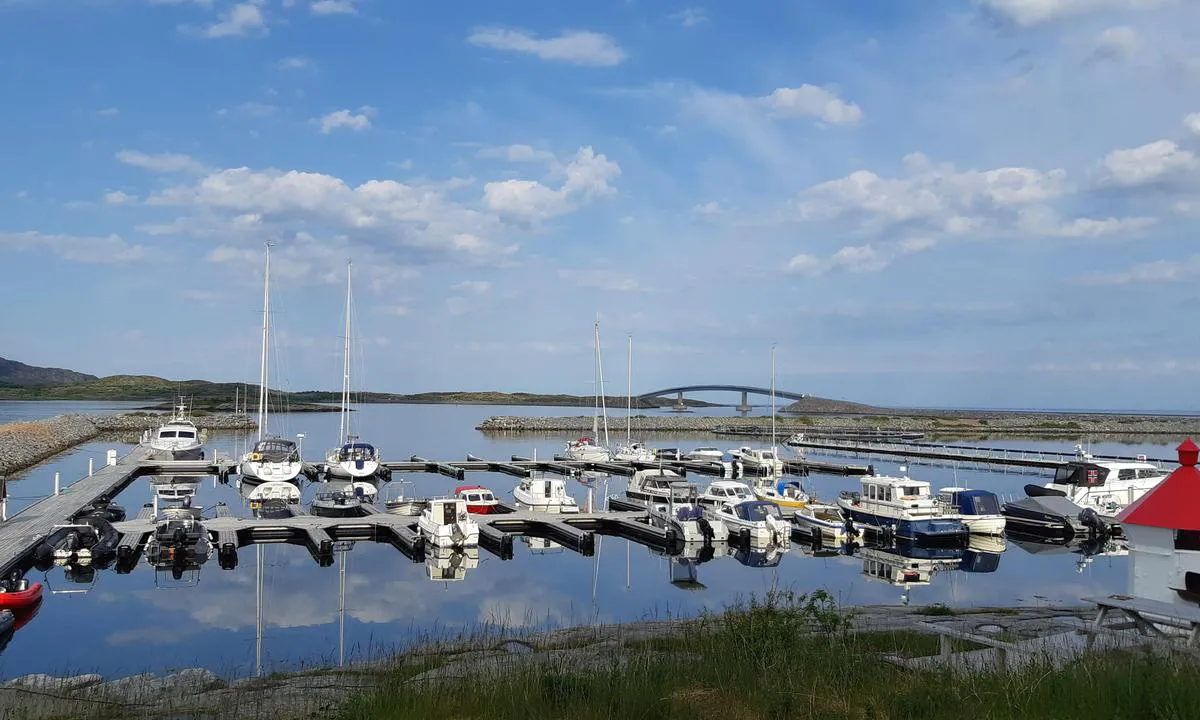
(57, 477)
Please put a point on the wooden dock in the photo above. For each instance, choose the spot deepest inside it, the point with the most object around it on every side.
(23, 532)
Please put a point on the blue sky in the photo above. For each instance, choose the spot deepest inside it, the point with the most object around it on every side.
(934, 203)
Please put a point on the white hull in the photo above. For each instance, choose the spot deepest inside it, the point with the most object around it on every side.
(588, 454)
(410, 508)
(464, 533)
(642, 455)
(547, 505)
(160, 451)
(759, 533)
(262, 471)
(984, 524)
(352, 469)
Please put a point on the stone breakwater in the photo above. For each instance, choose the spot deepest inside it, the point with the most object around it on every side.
(965, 423)
(24, 444)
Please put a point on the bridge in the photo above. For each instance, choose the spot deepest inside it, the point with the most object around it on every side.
(745, 390)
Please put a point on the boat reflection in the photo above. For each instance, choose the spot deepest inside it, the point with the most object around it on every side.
(450, 563)
(752, 555)
(541, 546)
(1086, 549)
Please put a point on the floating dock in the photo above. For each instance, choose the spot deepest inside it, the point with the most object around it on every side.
(935, 454)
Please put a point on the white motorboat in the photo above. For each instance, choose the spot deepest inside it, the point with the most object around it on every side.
(635, 452)
(723, 492)
(705, 454)
(1106, 486)
(178, 438)
(762, 461)
(352, 459)
(585, 449)
(272, 457)
(682, 512)
(824, 521)
(902, 507)
(789, 495)
(651, 485)
(445, 522)
(756, 520)
(979, 510)
(544, 494)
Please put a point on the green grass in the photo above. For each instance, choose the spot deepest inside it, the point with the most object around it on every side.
(790, 656)
(936, 609)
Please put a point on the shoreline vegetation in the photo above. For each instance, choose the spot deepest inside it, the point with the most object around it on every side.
(785, 655)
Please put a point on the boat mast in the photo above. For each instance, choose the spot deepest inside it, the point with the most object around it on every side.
(596, 384)
(600, 372)
(629, 391)
(344, 427)
(263, 377)
(773, 398)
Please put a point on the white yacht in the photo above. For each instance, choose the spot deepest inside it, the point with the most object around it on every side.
(1106, 486)
(761, 460)
(681, 511)
(271, 458)
(979, 510)
(902, 507)
(545, 494)
(631, 450)
(757, 520)
(651, 485)
(723, 492)
(705, 454)
(587, 449)
(444, 522)
(178, 438)
(352, 459)
(635, 452)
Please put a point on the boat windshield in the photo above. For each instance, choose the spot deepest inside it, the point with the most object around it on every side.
(1080, 474)
(980, 504)
(275, 448)
(756, 511)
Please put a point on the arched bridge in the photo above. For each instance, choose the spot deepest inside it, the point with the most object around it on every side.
(745, 390)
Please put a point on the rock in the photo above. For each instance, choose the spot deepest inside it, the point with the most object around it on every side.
(40, 681)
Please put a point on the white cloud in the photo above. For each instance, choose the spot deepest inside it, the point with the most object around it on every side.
(1091, 228)
(161, 162)
(474, 287)
(249, 110)
(333, 7)
(516, 153)
(1147, 164)
(394, 310)
(119, 198)
(587, 177)
(811, 101)
(857, 258)
(344, 119)
(1028, 13)
(107, 249)
(303, 258)
(601, 279)
(108, 112)
(1159, 271)
(1116, 43)
(690, 17)
(577, 47)
(239, 21)
(708, 209)
(1192, 123)
(294, 63)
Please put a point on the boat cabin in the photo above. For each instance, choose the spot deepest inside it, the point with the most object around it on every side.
(657, 481)
(756, 510)
(354, 452)
(1093, 474)
(475, 495)
(1163, 528)
(446, 511)
(275, 450)
(900, 493)
(726, 491)
(174, 429)
(968, 502)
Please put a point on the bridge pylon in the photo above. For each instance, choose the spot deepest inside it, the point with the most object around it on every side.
(679, 406)
(744, 406)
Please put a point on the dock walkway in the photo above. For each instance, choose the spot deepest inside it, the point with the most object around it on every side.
(23, 532)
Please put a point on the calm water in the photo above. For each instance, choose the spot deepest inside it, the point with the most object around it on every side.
(121, 624)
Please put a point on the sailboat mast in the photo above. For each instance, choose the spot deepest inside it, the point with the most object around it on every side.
(629, 392)
(772, 397)
(263, 377)
(603, 400)
(596, 383)
(344, 427)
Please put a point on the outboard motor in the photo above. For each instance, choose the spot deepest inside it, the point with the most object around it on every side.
(1093, 522)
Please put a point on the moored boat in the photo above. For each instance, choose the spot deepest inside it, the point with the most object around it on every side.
(545, 494)
(444, 522)
(721, 492)
(757, 521)
(681, 512)
(788, 495)
(903, 508)
(1106, 486)
(178, 438)
(979, 510)
(19, 593)
(337, 500)
(651, 485)
(480, 500)
(825, 521)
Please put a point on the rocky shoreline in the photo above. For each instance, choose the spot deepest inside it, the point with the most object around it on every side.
(25, 444)
(950, 424)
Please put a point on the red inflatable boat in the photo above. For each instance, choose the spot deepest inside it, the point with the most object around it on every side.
(24, 595)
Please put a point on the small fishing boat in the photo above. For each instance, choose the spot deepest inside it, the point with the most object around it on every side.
(979, 510)
(755, 520)
(19, 593)
(825, 521)
(761, 461)
(178, 541)
(705, 454)
(903, 508)
(339, 501)
(722, 492)
(545, 494)
(1051, 515)
(480, 500)
(445, 523)
(178, 438)
(405, 506)
(788, 495)
(651, 485)
(681, 511)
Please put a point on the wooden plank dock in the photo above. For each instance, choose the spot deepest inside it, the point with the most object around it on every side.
(23, 532)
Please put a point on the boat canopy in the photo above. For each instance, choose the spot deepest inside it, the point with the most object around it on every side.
(274, 447)
(350, 447)
(975, 502)
(1079, 473)
(755, 510)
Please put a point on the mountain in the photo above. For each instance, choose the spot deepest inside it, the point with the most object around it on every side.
(18, 374)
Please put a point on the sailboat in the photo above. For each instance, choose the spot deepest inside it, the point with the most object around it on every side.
(585, 448)
(272, 457)
(632, 451)
(353, 459)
